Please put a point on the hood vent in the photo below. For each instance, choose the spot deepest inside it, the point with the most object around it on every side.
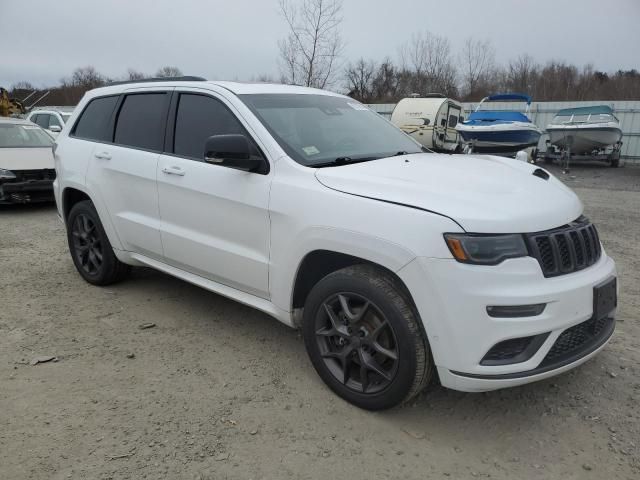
(538, 172)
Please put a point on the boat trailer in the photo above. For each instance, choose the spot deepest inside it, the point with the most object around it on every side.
(610, 154)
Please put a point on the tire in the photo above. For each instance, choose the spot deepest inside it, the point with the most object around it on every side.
(90, 248)
(378, 323)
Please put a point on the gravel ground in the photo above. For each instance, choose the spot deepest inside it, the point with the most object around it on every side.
(216, 390)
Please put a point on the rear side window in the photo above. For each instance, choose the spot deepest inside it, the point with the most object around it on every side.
(94, 124)
(141, 121)
(43, 120)
(199, 117)
(53, 121)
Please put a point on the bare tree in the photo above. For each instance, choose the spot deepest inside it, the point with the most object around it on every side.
(477, 61)
(427, 57)
(168, 71)
(85, 78)
(22, 85)
(522, 74)
(133, 74)
(359, 79)
(309, 53)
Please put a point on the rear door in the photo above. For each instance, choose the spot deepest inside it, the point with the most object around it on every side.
(215, 220)
(123, 172)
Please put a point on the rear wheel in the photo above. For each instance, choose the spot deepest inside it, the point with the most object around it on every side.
(364, 339)
(89, 246)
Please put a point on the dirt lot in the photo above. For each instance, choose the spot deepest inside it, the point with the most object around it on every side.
(216, 390)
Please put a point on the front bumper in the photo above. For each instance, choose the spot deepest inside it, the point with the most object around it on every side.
(26, 191)
(452, 298)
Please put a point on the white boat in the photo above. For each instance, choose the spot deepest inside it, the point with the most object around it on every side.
(584, 130)
(431, 120)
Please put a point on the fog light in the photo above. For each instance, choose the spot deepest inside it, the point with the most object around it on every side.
(514, 311)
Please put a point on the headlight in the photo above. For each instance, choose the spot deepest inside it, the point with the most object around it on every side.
(6, 174)
(485, 249)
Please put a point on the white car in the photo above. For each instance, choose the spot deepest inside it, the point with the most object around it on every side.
(50, 120)
(26, 162)
(396, 264)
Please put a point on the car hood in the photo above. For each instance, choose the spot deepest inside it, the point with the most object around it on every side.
(26, 158)
(482, 193)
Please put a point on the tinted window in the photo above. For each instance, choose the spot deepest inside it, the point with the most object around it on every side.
(141, 121)
(95, 120)
(53, 120)
(198, 118)
(43, 120)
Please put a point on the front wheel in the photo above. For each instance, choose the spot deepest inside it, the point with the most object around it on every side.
(90, 248)
(364, 338)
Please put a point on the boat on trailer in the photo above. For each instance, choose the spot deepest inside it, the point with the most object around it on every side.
(584, 133)
(585, 129)
(502, 132)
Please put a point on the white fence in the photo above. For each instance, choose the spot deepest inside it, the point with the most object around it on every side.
(628, 112)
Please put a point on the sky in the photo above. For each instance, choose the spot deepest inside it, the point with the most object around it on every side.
(237, 39)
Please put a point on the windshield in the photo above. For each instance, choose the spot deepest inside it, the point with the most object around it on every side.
(19, 136)
(317, 129)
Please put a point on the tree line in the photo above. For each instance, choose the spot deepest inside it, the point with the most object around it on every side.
(311, 54)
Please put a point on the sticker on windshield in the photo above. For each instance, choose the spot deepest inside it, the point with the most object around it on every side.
(311, 150)
(357, 106)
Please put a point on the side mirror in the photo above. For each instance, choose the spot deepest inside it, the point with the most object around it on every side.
(55, 128)
(232, 151)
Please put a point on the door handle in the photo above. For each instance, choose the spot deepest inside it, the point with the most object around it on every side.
(103, 155)
(174, 171)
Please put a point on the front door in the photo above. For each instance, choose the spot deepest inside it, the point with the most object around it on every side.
(214, 219)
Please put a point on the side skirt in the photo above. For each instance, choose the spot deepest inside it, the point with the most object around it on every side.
(215, 287)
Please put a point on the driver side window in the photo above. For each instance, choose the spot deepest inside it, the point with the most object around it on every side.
(199, 117)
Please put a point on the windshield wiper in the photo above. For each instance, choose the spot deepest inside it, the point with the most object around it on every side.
(342, 161)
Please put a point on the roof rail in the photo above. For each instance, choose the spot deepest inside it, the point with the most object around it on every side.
(185, 78)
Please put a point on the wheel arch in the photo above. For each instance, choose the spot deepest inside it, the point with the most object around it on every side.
(317, 264)
(71, 195)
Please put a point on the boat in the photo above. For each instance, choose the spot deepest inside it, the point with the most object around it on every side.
(583, 130)
(499, 131)
(431, 120)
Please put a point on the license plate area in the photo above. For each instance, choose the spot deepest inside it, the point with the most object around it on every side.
(604, 298)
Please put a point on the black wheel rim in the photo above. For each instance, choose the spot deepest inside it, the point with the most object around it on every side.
(87, 245)
(357, 343)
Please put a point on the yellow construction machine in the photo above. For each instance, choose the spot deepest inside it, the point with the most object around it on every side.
(10, 107)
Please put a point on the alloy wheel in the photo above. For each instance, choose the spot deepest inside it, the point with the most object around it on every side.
(357, 343)
(87, 244)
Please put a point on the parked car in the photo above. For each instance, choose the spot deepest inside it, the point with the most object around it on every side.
(50, 120)
(396, 264)
(26, 162)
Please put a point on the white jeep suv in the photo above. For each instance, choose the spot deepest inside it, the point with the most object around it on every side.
(397, 264)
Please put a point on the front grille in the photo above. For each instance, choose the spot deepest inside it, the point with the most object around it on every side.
(566, 249)
(575, 339)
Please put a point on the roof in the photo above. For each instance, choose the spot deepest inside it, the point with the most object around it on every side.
(239, 88)
(505, 97)
(567, 112)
